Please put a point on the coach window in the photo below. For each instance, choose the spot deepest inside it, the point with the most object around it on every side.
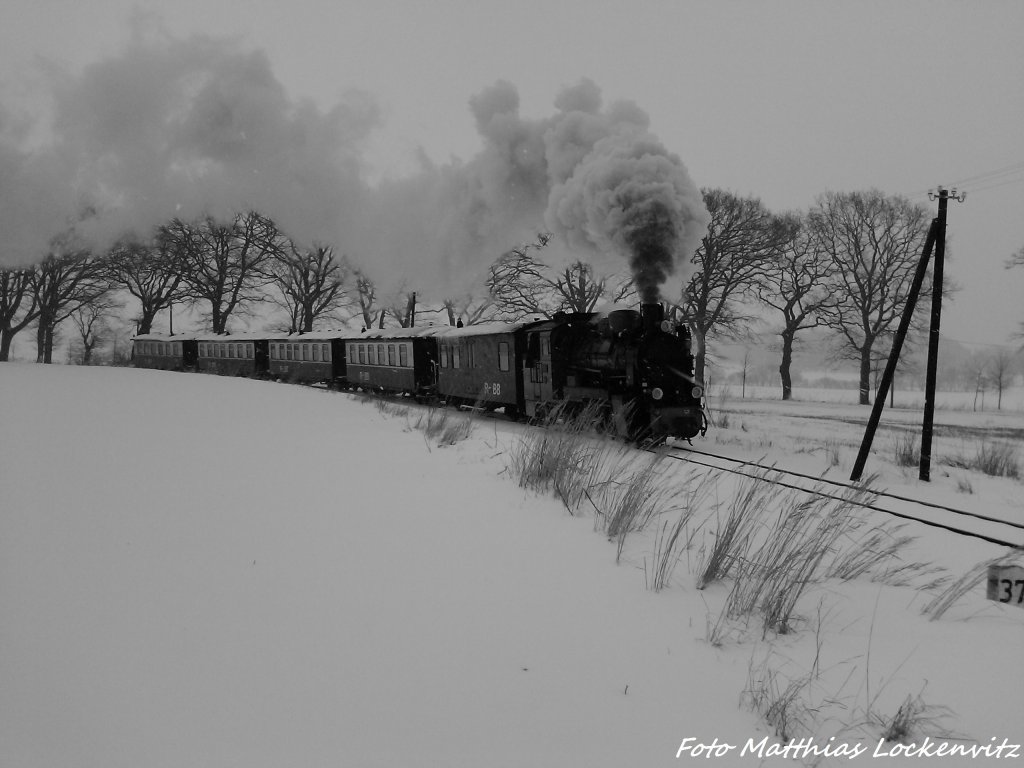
(455, 356)
(403, 355)
(444, 356)
(503, 356)
(373, 354)
(326, 352)
(362, 354)
(391, 355)
(316, 353)
(382, 354)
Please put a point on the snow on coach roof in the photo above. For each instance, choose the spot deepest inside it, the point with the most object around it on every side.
(496, 326)
(420, 331)
(166, 337)
(402, 333)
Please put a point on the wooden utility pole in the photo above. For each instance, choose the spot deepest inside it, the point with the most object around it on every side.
(894, 353)
(925, 468)
(936, 240)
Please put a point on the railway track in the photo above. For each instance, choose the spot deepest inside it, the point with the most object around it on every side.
(958, 521)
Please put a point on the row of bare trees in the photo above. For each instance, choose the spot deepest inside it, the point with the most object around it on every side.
(845, 264)
(223, 267)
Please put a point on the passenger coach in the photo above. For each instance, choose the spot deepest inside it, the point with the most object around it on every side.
(400, 360)
(245, 354)
(310, 358)
(479, 365)
(165, 353)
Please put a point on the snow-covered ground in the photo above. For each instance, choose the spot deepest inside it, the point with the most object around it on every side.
(202, 571)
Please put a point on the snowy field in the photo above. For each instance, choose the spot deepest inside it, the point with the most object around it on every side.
(202, 571)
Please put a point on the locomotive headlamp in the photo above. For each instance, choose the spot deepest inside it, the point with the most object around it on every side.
(666, 326)
(657, 393)
(697, 391)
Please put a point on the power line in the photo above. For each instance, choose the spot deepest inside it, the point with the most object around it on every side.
(981, 177)
(980, 182)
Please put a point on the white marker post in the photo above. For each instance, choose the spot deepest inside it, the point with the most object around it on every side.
(1006, 584)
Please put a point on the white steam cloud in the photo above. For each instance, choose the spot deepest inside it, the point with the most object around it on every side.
(180, 128)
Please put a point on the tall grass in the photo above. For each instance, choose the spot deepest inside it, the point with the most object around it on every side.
(781, 702)
(440, 425)
(991, 457)
(565, 456)
(732, 536)
(776, 543)
(906, 452)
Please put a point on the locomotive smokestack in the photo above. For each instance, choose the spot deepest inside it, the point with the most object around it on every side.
(651, 314)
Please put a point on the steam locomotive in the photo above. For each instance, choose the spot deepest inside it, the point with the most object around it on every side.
(635, 369)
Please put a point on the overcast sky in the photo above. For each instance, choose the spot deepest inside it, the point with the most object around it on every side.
(782, 100)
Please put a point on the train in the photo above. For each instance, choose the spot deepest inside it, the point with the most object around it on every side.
(633, 367)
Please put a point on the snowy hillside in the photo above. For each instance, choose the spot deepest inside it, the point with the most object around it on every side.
(202, 571)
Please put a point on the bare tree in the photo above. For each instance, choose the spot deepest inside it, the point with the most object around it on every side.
(874, 244)
(226, 264)
(516, 284)
(402, 307)
(521, 284)
(742, 238)
(366, 294)
(151, 271)
(18, 306)
(69, 277)
(1001, 369)
(468, 309)
(92, 321)
(578, 289)
(793, 282)
(310, 283)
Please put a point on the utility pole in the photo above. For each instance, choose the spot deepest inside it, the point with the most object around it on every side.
(894, 354)
(943, 196)
(936, 241)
